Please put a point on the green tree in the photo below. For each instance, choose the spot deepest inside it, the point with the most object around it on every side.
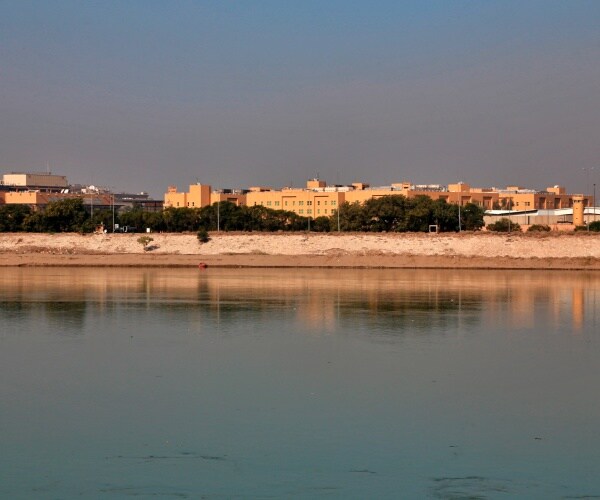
(472, 217)
(324, 224)
(12, 217)
(66, 216)
(352, 217)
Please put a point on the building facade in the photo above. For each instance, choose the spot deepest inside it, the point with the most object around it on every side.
(318, 199)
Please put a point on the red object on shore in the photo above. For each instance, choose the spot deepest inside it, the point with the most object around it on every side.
(202, 265)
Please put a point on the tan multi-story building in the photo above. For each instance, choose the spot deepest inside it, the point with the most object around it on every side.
(459, 193)
(318, 199)
(201, 195)
(553, 198)
(315, 201)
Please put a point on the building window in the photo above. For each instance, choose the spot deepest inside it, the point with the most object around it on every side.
(276, 203)
(318, 202)
(325, 202)
(309, 203)
(301, 211)
(309, 211)
(325, 211)
(333, 203)
(300, 203)
(286, 203)
(318, 210)
(268, 203)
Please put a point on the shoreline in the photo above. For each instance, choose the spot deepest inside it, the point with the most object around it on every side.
(284, 250)
(299, 261)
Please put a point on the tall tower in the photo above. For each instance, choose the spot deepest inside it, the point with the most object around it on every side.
(578, 210)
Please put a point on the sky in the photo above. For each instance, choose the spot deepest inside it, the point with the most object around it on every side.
(138, 95)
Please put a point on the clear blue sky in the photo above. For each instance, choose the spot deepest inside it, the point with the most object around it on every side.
(142, 94)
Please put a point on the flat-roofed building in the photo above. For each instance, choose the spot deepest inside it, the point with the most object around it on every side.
(35, 180)
(38, 200)
(316, 200)
(552, 198)
(201, 195)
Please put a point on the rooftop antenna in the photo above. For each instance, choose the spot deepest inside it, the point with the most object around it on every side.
(48, 167)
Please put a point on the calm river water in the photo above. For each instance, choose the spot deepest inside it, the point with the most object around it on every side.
(299, 384)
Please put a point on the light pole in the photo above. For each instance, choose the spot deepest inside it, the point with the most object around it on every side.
(338, 217)
(589, 170)
(113, 211)
(594, 202)
(219, 214)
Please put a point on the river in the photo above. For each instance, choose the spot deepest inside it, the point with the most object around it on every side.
(313, 383)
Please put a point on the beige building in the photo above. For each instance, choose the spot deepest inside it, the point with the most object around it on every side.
(40, 180)
(39, 199)
(201, 195)
(315, 200)
(318, 199)
(553, 198)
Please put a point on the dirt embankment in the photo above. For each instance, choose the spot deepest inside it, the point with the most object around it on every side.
(466, 250)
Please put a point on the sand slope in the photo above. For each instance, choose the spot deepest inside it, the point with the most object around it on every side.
(346, 249)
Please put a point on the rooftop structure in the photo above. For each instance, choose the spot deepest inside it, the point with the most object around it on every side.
(35, 180)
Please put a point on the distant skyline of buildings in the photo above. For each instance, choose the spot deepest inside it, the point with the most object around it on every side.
(315, 198)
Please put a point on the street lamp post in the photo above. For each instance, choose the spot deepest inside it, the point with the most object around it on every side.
(594, 202)
(589, 170)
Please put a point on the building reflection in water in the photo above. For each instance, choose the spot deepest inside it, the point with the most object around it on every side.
(316, 300)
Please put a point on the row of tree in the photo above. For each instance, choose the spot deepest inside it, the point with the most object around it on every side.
(388, 213)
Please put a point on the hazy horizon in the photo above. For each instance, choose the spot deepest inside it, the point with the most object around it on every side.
(139, 95)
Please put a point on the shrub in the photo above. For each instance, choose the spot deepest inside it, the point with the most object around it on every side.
(145, 241)
(203, 236)
(595, 226)
(538, 228)
(504, 225)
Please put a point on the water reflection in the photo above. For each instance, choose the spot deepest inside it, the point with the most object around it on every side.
(277, 383)
(315, 300)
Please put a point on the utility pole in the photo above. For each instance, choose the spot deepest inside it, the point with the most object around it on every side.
(594, 202)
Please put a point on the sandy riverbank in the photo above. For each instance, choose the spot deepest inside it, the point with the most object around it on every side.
(467, 250)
